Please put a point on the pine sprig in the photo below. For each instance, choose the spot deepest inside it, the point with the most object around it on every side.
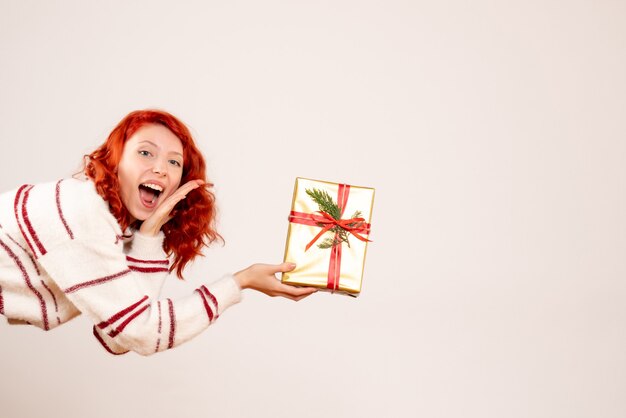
(356, 224)
(324, 202)
(328, 243)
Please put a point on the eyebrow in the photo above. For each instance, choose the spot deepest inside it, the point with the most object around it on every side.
(156, 146)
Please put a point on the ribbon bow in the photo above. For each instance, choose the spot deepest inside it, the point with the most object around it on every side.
(354, 226)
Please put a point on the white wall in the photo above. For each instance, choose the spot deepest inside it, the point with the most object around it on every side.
(494, 133)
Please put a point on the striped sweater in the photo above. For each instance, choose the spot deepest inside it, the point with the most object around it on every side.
(62, 253)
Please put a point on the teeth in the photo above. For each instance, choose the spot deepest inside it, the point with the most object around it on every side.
(153, 186)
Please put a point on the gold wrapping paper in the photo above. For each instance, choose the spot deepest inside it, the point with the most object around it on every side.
(312, 265)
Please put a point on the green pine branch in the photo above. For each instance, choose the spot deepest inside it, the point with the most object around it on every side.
(328, 243)
(357, 214)
(324, 202)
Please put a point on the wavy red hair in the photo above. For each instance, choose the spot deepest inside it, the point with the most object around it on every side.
(193, 225)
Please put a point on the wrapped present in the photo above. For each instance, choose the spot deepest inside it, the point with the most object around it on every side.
(329, 225)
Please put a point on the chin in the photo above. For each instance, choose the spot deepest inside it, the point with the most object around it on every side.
(140, 215)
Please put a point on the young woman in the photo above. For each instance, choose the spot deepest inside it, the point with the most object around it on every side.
(103, 246)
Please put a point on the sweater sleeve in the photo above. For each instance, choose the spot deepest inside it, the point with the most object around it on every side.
(91, 268)
(96, 278)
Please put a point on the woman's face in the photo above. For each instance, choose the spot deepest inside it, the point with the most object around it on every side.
(150, 169)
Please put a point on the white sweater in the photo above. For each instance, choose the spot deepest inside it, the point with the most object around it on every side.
(62, 253)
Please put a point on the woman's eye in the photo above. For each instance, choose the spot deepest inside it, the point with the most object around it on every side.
(145, 153)
(175, 163)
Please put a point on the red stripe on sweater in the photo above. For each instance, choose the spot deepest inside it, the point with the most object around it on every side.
(148, 269)
(56, 306)
(106, 347)
(23, 249)
(58, 199)
(127, 321)
(1, 302)
(213, 299)
(137, 260)
(18, 263)
(32, 260)
(96, 281)
(16, 204)
(172, 324)
(29, 226)
(120, 314)
(209, 312)
(159, 306)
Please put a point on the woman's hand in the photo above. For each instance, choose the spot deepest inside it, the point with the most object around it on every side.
(162, 214)
(262, 277)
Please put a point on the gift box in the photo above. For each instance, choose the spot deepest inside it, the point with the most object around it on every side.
(329, 225)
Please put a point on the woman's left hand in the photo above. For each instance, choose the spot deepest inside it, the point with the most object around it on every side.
(262, 278)
(162, 214)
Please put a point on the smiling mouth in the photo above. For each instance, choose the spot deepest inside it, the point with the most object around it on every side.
(149, 193)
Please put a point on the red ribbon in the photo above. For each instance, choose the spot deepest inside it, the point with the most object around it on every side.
(355, 226)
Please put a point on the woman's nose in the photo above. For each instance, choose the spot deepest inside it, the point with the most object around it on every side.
(159, 169)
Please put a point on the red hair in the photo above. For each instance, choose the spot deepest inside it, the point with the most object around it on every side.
(193, 225)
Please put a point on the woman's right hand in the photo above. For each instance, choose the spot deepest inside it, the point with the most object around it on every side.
(262, 278)
(163, 213)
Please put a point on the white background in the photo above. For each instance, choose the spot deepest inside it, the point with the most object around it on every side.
(493, 132)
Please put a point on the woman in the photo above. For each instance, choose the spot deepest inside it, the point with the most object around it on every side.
(103, 246)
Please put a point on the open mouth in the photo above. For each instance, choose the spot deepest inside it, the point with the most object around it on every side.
(149, 193)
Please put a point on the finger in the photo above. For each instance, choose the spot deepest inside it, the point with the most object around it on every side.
(283, 267)
(179, 194)
(189, 186)
(296, 298)
(297, 291)
(198, 182)
(276, 268)
(168, 205)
